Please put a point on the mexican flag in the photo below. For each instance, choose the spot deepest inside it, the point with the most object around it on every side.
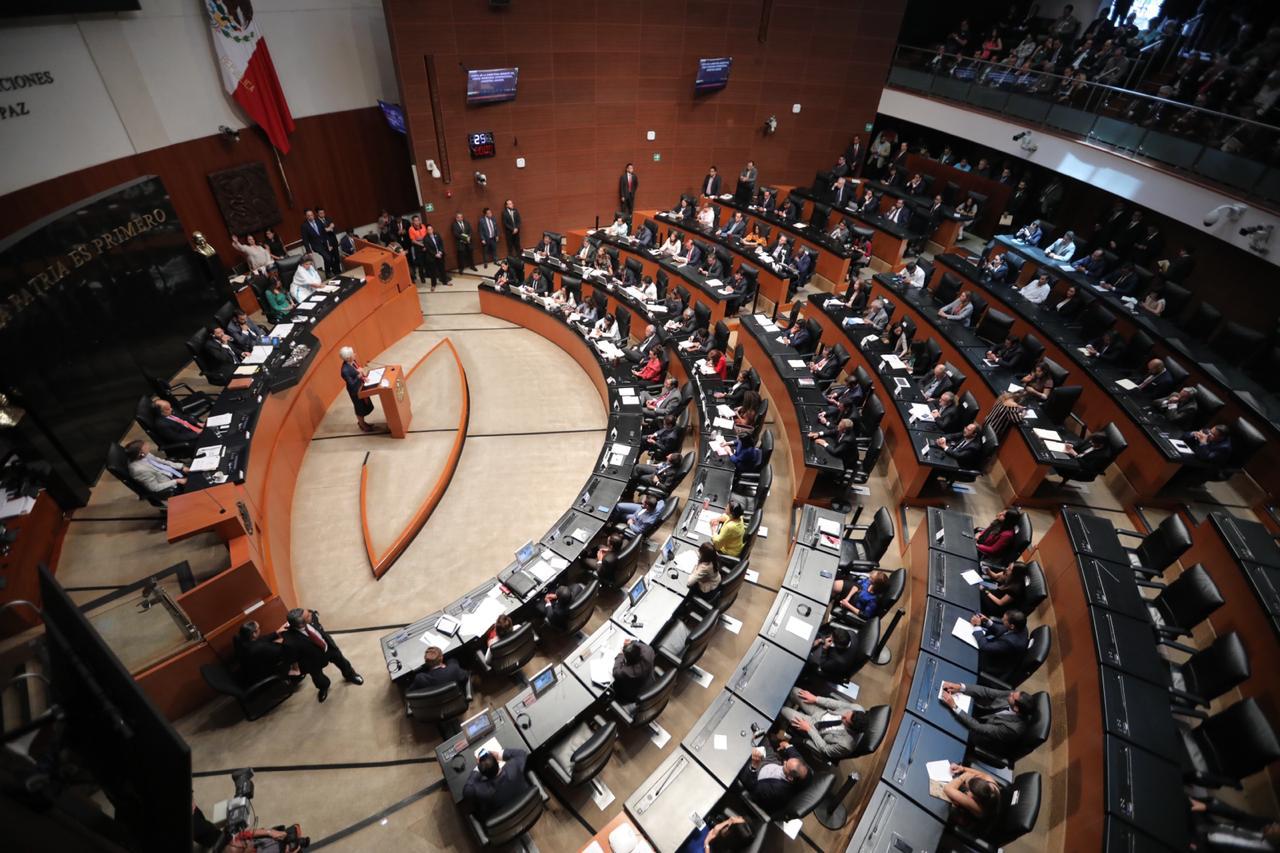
(247, 72)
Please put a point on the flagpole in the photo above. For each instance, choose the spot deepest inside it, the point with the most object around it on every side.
(284, 179)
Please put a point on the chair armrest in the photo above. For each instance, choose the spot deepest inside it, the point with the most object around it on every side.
(1133, 534)
(621, 712)
(967, 837)
(1210, 780)
(478, 828)
(1189, 698)
(667, 657)
(537, 783)
(868, 564)
(755, 808)
(558, 771)
(1179, 646)
(980, 754)
(269, 681)
(1183, 711)
(467, 690)
(1171, 631)
(1150, 584)
(998, 683)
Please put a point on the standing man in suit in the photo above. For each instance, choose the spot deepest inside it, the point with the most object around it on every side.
(833, 740)
(998, 720)
(434, 247)
(841, 192)
(312, 649)
(488, 236)
(511, 227)
(965, 446)
(711, 183)
(632, 670)
(853, 155)
(627, 185)
(436, 671)
(1001, 644)
(462, 242)
(746, 183)
(329, 234)
(312, 233)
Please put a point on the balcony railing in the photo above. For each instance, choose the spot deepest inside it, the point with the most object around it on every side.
(1237, 153)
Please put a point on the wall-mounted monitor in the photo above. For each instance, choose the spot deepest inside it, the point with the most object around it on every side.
(491, 85)
(394, 114)
(713, 74)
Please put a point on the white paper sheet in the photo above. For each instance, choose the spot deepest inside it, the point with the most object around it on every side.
(1126, 384)
(724, 411)
(964, 631)
(1055, 446)
(971, 577)
(1047, 434)
(204, 463)
(221, 420)
(894, 362)
(601, 671)
(797, 363)
(720, 742)
(939, 771)
(799, 627)
(964, 702)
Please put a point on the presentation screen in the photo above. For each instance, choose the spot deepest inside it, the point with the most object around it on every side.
(491, 85)
(713, 74)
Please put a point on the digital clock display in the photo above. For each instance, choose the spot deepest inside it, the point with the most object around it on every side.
(481, 145)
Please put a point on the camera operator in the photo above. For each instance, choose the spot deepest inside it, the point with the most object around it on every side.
(237, 835)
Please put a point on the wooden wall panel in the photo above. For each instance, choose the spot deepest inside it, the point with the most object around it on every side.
(596, 75)
(352, 162)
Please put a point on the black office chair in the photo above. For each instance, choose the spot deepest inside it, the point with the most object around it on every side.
(947, 288)
(864, 554)
(145, 416)
(1061, 401)
(1208, 673)
(877, 727)
(723, 596)
(255, 700)
(1160, 548)
(1019, 811)
(514, 819)
(927, 353)
(735, 362)
(756, 829)
(628, 561)
(1115, 445)
(118, 466)
(1022, 537)
(892, 595)
(623, 318)
(1040, 722)
(869, 417)
(441, 704)
(956, 375)
(820, 216)
(1036, 654)
(701, 316)
(1035, 589)
(578, 756)
(980, 308)
(214, 374)
(753, 493)
(1202, 322)
(871, 451)
(1015, 263)
(1237, 343)
(748, 538)
(1208, 404)
(686, 465)
(186, 401)
(969, 408)
(1176, 370)
(1056, 372)
(1032, 352)
(287, 266)
(649, 704)
(669, 508)
(1183, 604)
(507, 655)
(809, 796)
(1246, 440)
(580, 610)
(1228, 747)
(222, 316)
(720, 336)
(681, 645)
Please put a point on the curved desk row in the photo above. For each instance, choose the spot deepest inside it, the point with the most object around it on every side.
(831, 259)
(772, 281)
(1151, 459)
(1244, 396)
(889, 240)
(271, 424)
(945, 233)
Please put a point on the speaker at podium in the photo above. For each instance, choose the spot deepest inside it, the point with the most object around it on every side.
(386, 384)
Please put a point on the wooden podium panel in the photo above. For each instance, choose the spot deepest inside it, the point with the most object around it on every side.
(393, 394)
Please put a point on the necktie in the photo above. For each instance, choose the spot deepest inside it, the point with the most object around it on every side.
(163, 467)
(828, 724)
(186, 424)
(314, 636)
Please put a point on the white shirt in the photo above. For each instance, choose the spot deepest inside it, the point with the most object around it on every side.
(1035, 291)
(257, 256)
(599, 331)
(706, 218)
(618, 229)
(1061, 250)
(650, 292)
(915, 279)
(305, 281)
(671, 246)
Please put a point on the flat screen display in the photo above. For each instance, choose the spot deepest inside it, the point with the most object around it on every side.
(543, 680)
(636, 592)
(491, 85)
(394, 113)
(478, 727)
(713, 74)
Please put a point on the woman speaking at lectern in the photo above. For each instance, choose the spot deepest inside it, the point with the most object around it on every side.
(354, 376)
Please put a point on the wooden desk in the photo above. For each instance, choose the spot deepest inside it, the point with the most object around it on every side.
(40, 533)
(828, 264)
(394, 397)
(772, 286)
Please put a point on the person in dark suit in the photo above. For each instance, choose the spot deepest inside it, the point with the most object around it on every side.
(660, 476)
(766, 203)
(436, 671)
(840, 442)
(790, 210)
(938, 382)
(712, 267)
(627, 184)
(491, 787)
(511, 227)
(946, 418)
(632, 670)
(841, 168)
(462, 237)
(711, 183)
(223, 355)
(354, 376)
(899, 214)
(1106, 347)
(998, 719)
(1181, 408)
(853, 154)
(170, 428)
(1001, 644)
(488, 236)
(825, 367)
(914, 186)
(245, 333)
(555, 605)
(798, 335)
(433, 245)
(664, 440)
(548, 247)
(833, 656)
(309, 646)
(605, 563)
(313, 233)
(772, 777)
(780, 251)
(1211, 445)
(965, 446)
(1159, 380)
(1092, 453)
(640, 351)
(259, 656)
(842, 193)
(642, 236)
(735, 227)
(1123, 282)
(1177, 268)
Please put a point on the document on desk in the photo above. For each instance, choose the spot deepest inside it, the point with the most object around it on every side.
(581, 535)
(601, 671)
(799, 627)
(714, 282)
(374, 377)
(628, 394)
(921, 412)
(720, 742)
(258, 354)
(939, 776)
(221, 420)
(1126, 384)
(1178, 445)
(797, 363)
(542, 570)
(722, 423)
(964, 702)
(491, 746)
(829, 526)
(964, 631)
(1055, 447)
(972, 578)
(893, 361)
(281, 330)
(1029, 414)
(205, 463)
(724, 411)
(705, 517)
(1014, 388)
(686, 561)
(431, 638)
(1046, 434)
(305, 306)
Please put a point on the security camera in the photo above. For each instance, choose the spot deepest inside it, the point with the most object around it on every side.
(1233, 212)
(771, 125)
(481, 179)
(1018, 137)
(229, 134)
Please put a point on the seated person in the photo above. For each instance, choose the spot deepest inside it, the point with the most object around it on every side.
(491, 787)
(1093, 452)
(648, 289)
(998, 719)
(1122, 282)
(603, 261)
(746, 457)
(766, 201)
(946, 418)
(664, 440)
(841, 442)
(1009, 590)
(993, 540)
(720, 833)
(642, 237)
(689, 254)
(876, 316)
(638, 519)
(974, 796)
(832, 741)
(1008, 353)
(825, 367)
(279, 304)
(959, 309)
(606, 328)
(860, 252)
(244, 331)
(632, 670)
(1063, 248)
(715, 364)
(1093, 265)
(898, 339)
(832, 656)
(684, 322)
(728, 532)
(223, 354)
(747, 415)
(965, 446)
(604, 565)
(966, 212)
(773, 777)
(706, 217)
(1154, 302)
(151, 470)
(1211, 445)
(755, 238)
(436, 670)
(505, 276)
(536, 284)
(1031, 234)
(171, 428)
(652, 369)
(684, 209)
(1038, 383)
(780, 251)
(671, 245)
(306, 278)
(938, 382)
(866, 597)
(555, 605)
(1037, 290)
(1181, 408)
(548, 247)
(259, 655)
(665, 400)
(562, 304)
(996, 268)
(619, 226)
(661, 476)
(502, 628)
(1071, 303)
(737, 392)
(585, 315)
(840, 234)
(1158, 381)
(705, 577)
(1001, 643)
(712, 267)
(855, 298)
(735, 227)
(798, 335)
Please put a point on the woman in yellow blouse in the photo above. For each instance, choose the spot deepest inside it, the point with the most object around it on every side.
(728, 531)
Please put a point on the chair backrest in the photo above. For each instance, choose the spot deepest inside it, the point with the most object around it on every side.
(437, 702)
(956, 374)
(821, 213)
(1213, 671)
(727, 592)
(877, 727)
(515, 819)
(669, 507)
(1176, 298)
(514, 650)
(994, 326)
(1038, 730)
(1190, 599)
(968, 408)
(628, 560)
(701, 316)
(811, 794)
(591, 757)
(990, 446)
(1056, 371)
(1246, 440)
(1061, 401)
(870, 415)
(947, 287)
(1237, 343)
(681, 290)
(1176, 370)
(651, 702)
(636, 267)
(1137, 349)
(572, 285)
(1208, 405)
(735, 363)
(1022, 536)
(1032, 351)
(623, 316)
(220, 680)
(927, 356)
(863, 378)
(1035, 588)
(1020, 801)
(1096, 319)
(145, 414)
(1037, 652)
(865, 642)
(979, 303)
(871, 455)
(1237, 742)
(879, 535)
(1160, 548)
(897, 584)
(720, 336)
(699, 638)
(581, 607)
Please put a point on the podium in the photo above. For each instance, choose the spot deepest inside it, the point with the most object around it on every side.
(393, 394)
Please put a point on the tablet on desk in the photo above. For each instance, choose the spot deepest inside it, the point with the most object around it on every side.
(479, 727)
(636, 592)
(544, 680)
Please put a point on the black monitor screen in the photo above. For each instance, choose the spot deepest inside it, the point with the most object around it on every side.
(637, 592)
(543, 680)
(478, 727)
(490, 85)
(713, 74)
